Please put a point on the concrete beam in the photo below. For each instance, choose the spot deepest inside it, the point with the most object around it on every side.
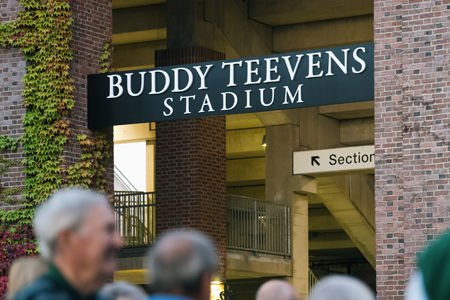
(349, 217)
(246, 171)
(137, 55)
(356, 110)
(335, 240)
(243, 121)
(245, 143)
(357, 132)
(276, 117)
(244, 264)
(118, 4)
(276, 13)
(257, 192)
(323, 34)
(133, 133)
(139, 36)
(249, 38)
(142, 18)
(320, 220)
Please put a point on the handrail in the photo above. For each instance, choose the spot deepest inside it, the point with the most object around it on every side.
(258, 226)
(135, 216)
(312, 279)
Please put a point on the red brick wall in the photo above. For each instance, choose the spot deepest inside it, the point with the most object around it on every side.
(12, 70)
(412, 135)
(92, 26)
(190, 165)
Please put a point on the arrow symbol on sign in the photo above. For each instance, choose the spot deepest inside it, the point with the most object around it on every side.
(314, 160)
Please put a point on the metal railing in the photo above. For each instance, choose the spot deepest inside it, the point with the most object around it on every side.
(258, 226)
(312, 280)
(135, 216)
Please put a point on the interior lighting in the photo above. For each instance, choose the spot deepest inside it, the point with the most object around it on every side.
(264, 144)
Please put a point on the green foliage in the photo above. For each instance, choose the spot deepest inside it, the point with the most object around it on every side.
(7, 142)
(104, 58)
(43, 32)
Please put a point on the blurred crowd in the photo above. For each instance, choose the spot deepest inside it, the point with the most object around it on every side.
(78, 246)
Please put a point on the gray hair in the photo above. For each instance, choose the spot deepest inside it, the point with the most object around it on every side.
(341, 287)
(123, 289)
(66, 209)
(179, 260)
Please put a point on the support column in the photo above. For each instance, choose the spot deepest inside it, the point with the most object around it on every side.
(300, 255)
(284, 188)
(190, 165)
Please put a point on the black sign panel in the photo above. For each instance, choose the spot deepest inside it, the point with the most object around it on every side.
(264, 83)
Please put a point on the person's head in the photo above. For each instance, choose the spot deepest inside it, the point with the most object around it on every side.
(276, 290)
(182, 263)
(76, 232)
(24, 271)
(341, 287)
(123, 290)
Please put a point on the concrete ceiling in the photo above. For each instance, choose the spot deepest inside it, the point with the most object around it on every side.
(276, 13)
(117, 4)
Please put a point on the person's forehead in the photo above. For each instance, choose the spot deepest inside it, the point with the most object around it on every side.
(100, 212)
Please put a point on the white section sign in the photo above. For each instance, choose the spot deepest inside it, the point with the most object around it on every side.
(334, 160)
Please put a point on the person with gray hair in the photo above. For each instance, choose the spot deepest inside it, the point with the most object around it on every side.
(276, 290)
(76, 233)
(341, 287)
(123, 290)
(181, 265)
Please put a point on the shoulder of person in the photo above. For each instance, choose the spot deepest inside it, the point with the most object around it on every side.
(43, 288)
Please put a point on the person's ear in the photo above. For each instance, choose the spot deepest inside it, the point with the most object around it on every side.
(65, 238)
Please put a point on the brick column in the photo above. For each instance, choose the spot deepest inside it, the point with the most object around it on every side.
(412, 135)
(12, 70)
(92, 26)
(190, 165)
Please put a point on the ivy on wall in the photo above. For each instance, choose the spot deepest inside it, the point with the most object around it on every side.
(44, 33)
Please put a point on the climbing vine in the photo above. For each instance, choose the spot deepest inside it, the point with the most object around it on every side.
(44, 33)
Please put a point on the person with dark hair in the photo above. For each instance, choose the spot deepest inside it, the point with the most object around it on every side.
(77, 238)
(181, 265)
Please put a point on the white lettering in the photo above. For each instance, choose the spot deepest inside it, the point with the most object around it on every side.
(232, 64)
(289, 67)
(224, 95)
(207, 102)
(270, 69)
(112, 85)
(358, 59)
(166, 86)
(312, 65)
(202, 76)
(247, 92)
(168, 106)
(287, 92)
(331, 56)
(129, 84)
(250, 72)
(261, 93)
(176, 78)
(187, 112)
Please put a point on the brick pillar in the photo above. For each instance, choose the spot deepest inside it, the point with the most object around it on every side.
(12, 70)
(412, 135)
(190, 165)
(92, 26)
